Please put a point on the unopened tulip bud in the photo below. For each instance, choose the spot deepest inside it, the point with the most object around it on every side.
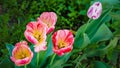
(95, 10)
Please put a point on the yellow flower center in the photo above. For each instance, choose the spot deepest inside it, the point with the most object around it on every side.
(47, 23)
(61, 44)
(38, 36)
(21, 53)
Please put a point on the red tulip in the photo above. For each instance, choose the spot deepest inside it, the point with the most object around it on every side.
(95, 10)
(21, 54)
(62, 42)
(36, 33)
(49, 19)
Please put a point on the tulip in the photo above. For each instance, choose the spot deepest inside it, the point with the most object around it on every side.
(62, 42)
(21, 54)
(49, 19)
(36, 33)
(95, 10)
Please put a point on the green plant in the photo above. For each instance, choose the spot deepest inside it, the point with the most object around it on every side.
(97, 46)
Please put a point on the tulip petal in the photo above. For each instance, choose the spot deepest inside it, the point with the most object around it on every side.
(39, 47)
(95, 10)
(30, 37)
(49, 19)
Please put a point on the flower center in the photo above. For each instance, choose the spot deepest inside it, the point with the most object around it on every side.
(61, 45)
(22, 53)
(47, 22)
(22, 56)
(38, 36)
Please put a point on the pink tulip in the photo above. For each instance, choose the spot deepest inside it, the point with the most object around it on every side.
(49, 19)
(95, 10)
(21, 54)
(62, 42)
(36, 33)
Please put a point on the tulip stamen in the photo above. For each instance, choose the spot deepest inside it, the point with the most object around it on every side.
(47, 22)
(61, 45)
(23, 56)
(37, 35)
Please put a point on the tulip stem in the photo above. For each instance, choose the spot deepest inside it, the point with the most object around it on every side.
(25, 66)
(37, 59)
(87, 25)
(53, 57)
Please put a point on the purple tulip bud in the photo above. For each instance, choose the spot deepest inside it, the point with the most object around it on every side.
(95, 10)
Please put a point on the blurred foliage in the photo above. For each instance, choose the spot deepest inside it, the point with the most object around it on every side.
(103, 53)
(15, 14)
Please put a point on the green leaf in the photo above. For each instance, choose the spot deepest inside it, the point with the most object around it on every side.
(115, 25)
(111, 2)
(113, 56)
(99, 64)
(85, 42)
(10, 48)
(79, 36)
(115, 16)
(33, 61)
(112, 44)
(60, 60)
(49, 51)
(117, 33)
(50, 45)
(93, 50)
(102, 34)
(100, 51)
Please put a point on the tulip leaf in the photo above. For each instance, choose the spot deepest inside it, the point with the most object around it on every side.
(99, 51)
(117, 33)
(49, 51)
(41, 57)
(110, 2)
(60, 60)
(99, 64)
(10, 48)
(50, 45)
(33, 61)
(79, 37)
(81, 40)
(102, 34)
(85, 42)
(112, 44)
